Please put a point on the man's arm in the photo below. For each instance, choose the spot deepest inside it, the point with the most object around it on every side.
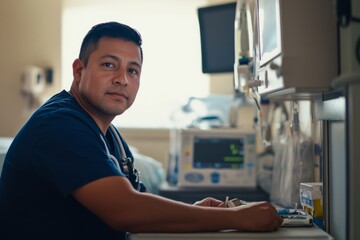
(115, 201)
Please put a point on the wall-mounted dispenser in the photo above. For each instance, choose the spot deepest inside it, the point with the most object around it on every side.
(33, 82)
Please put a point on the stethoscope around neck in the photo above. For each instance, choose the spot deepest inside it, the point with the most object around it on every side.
(127, 166)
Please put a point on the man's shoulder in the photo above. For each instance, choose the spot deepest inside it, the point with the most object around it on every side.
(61, 102)
(61, 107)
(61, 113)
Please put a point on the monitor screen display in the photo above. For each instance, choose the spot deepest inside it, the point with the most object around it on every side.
(217, 37)
(218, 153)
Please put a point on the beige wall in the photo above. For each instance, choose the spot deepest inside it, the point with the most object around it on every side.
(151, 142)
(30, 35)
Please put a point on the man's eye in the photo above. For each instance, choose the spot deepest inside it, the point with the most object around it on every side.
(109, 65)
(133, 71)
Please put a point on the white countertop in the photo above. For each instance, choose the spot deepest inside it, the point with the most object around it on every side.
(283, 233)
(5, 143)
(4, 146)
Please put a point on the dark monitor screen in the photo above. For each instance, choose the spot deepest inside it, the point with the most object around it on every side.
(217, 37)
(218, 153)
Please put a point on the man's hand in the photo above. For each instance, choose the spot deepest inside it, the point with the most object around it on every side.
(258, 216)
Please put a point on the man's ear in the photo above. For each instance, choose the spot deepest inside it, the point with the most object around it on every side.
(77, 69)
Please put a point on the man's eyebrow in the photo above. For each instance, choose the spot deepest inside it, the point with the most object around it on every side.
(118, 59)
(136, 63)
(110, 56)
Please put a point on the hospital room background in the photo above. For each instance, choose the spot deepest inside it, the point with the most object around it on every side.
(42, 35)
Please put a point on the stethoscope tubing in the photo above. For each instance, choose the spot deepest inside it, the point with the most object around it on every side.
(124, 159)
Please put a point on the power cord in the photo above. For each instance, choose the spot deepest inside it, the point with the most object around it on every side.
(357, 50)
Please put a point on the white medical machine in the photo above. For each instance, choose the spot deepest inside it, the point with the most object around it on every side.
(220, 157)
(285, 48)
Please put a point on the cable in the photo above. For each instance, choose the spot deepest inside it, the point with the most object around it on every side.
(357, 50)
(355, 19)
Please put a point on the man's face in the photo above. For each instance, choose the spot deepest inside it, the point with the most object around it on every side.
(109, 83)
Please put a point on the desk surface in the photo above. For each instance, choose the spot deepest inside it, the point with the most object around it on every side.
(191, 195)
(283, 234)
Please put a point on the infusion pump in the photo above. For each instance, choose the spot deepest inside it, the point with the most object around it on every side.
(217, 158)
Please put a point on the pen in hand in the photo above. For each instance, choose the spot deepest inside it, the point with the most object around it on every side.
(227, 201)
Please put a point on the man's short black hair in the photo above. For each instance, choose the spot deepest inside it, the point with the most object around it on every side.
(111, 30)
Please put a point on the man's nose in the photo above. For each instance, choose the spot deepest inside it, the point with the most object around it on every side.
(121, 77)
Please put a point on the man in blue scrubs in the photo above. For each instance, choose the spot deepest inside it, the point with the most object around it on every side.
(64, 176)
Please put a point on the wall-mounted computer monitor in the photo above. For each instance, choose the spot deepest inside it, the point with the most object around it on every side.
(217, 37)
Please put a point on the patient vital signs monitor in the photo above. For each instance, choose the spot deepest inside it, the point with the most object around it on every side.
(217, 158)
